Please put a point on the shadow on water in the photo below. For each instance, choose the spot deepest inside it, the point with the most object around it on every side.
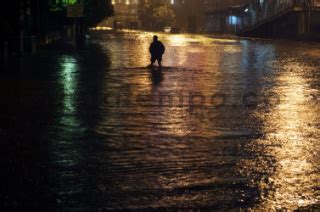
(49, 110)
(76, 153)
(156, 75)
(11, 67)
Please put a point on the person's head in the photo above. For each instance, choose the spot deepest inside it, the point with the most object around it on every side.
(155, 38)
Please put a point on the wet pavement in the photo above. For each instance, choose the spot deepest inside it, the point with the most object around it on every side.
(226, 124)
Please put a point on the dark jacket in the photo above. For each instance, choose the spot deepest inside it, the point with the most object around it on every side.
(157, 49)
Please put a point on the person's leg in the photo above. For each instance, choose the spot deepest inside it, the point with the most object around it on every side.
(153, 60)
(159, 61)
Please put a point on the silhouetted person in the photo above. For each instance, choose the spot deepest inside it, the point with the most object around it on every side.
(156, 49)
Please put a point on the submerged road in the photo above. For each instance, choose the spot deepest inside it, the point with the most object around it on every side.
(226, 124)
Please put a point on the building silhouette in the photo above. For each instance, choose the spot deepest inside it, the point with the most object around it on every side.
(225, 17)
(298, 19)
(191, 15)
(125, 15)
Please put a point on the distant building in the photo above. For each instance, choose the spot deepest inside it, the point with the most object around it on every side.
(195, 16)
(283, 19)
(190, 14)
(21, 23)
(225, 17)
(297, 19)
(218, 5)
(125, 14)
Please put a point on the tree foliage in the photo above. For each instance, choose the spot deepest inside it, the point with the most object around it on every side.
(156, 14)
(163, 16)
(94, 10)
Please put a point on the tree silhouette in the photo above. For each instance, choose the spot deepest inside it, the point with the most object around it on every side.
(156, 14)
(97, 10)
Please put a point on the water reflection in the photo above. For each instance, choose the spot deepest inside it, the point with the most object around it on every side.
(123, 136)
(226, 157)
(156, 76)
(69, 81)
(296, 133)
(67, 130)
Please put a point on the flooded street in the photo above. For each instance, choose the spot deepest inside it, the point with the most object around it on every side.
(226, 124)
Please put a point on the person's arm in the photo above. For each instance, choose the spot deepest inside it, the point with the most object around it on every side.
(163, 48)
(150, 48)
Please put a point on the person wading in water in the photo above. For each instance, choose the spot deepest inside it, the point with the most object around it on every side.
(156, 50)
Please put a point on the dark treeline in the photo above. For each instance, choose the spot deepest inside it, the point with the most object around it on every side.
(42, 18)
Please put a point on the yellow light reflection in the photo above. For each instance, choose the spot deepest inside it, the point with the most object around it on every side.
(295, 172)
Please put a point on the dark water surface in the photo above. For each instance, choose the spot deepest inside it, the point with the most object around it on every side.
(226, 124)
